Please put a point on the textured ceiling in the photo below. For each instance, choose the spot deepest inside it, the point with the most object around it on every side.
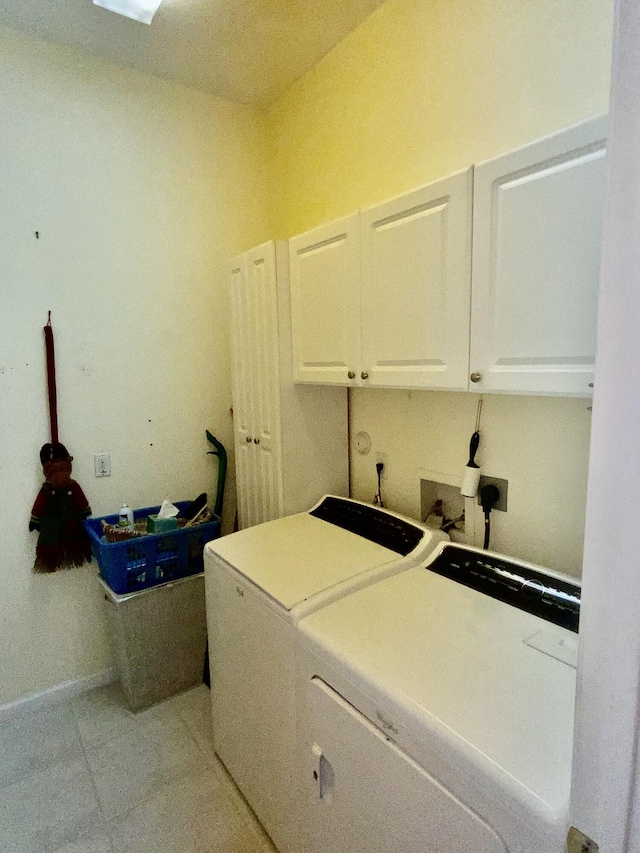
(244, 50)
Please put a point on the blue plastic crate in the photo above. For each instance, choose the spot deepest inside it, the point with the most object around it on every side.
(150, 560)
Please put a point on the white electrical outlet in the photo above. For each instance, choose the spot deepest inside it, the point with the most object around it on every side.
(382, 457)
(102, 464)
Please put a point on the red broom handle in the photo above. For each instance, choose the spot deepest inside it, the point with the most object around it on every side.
(51, 380)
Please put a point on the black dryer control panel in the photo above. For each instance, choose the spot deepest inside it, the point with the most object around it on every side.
(555, 600)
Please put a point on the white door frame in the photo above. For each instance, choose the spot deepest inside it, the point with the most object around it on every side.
(605, 792)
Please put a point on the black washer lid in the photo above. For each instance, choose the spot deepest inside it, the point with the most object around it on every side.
(371, 523)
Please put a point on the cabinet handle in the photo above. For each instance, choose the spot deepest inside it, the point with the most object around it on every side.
(256, 441)
(351, 374)
(364, 375)
(248, 439)
(475, 377)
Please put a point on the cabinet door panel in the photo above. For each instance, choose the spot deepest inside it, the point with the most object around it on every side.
(269, 475)
(246, 484)
(538, 215)
(240, 339)
(246, 490)
(415, 292)
(325, 270)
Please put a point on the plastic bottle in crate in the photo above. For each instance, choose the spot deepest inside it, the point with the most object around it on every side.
(125, 517)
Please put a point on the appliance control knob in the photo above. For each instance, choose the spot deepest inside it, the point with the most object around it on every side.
(256, 441)
(364, 375)
(475, 377)
(351, 374)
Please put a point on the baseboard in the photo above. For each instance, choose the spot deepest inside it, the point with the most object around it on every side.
(58, 693)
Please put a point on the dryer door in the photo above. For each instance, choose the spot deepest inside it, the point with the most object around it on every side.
(363, 793)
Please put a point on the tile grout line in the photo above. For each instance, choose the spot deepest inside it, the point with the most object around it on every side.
(231, 792)
(107, 821)
(94, 787)
(161, 783)
(194, 740)
(190, 723)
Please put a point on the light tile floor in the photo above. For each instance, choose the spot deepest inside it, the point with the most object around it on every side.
(88, 776)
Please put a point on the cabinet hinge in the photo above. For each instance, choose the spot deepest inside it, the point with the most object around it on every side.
(578, 842)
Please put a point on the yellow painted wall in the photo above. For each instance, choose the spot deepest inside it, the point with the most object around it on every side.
(425, 87)
(140, 190)
(421, 89)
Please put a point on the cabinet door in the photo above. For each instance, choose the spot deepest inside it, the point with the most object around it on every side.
(325, 311)
(241, 335)
(416, 286)
(363, 793)
(256, 386)
(537, 231)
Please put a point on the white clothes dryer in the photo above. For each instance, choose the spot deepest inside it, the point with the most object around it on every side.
(259, 583)
(436, 711)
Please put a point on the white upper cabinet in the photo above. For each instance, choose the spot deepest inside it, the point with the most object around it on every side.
(537, 231)
(325, 311)
(415, 287)
(382, 297)
(396, 296)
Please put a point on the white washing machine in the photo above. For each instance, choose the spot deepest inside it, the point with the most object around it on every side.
(259, 583)
(436, 711)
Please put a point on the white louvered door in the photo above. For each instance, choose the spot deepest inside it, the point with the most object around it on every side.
(256, 386)
(265, 380)
(242, 391)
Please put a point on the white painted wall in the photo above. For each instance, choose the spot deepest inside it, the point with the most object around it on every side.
(539, 444)
(140, 190)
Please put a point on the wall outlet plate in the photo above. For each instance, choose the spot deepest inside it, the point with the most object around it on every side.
(502, 487)
(102, 464)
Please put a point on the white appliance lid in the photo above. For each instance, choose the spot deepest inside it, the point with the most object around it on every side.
(296, 557)
(457, 662)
